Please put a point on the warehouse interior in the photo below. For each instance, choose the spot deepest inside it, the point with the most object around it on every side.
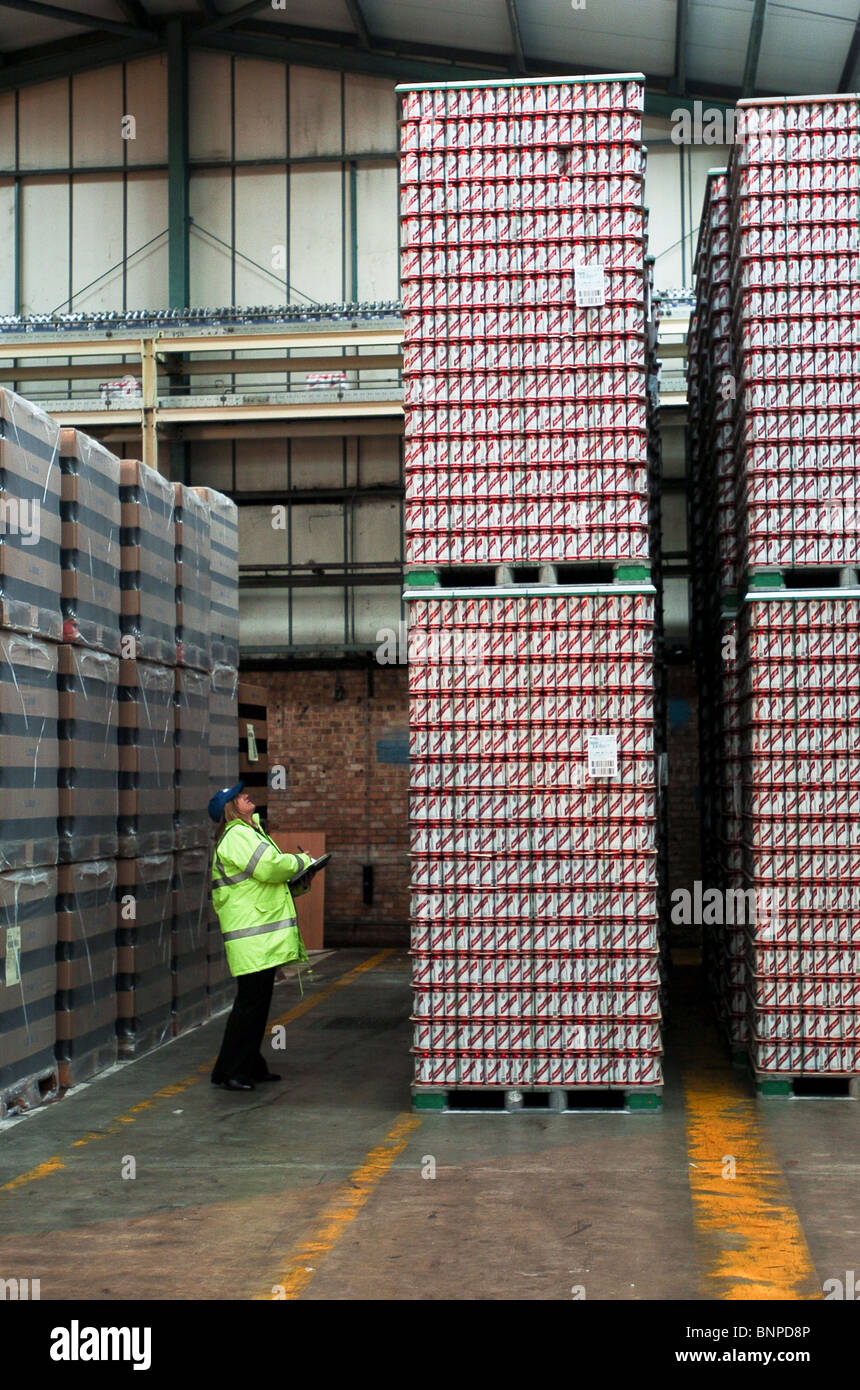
(223, 297)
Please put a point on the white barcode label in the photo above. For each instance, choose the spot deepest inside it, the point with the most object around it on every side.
(602, 755)
(13, 956)
(589, 286)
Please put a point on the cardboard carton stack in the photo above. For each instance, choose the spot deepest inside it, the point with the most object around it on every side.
(108, 675)
(31, 626)
(86, 969)
(223, 695)
(191, 907)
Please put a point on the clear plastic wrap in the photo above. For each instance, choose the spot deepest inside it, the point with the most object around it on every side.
(88, 754)
(190, 937)
(30, 576)
(28, 984)
(144, 952)
(148, 577)
(91, 542)
(224, 571)
(86, 969)
(191, 818)
(223, 727)
(29, 751)
(146, 758)
(193, 581)
(220, 988)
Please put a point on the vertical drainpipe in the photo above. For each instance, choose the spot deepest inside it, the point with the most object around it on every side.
(177, 196)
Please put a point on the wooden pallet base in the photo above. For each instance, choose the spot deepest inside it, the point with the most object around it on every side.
(507, 1101)
(74, 1070)
(540, 575)
(33, 1091)
(811, 1086)
(802, 577)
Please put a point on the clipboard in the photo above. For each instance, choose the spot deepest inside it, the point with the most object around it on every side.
(307, 874)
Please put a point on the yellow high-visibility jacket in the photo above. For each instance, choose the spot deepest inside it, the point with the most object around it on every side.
(250, 894)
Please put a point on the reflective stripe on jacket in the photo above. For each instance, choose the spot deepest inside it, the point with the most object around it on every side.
(250, 894)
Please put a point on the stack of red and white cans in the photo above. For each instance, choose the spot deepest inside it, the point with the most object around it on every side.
(713, 550)
(800, 688)
(524, 306)
(533, 828)
(795, 222)
(781, 686)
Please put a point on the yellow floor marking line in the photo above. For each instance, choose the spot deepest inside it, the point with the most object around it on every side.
(313, 999)
(175, 1088)
(747, 1230)
(341, 1210)
(51, 1165)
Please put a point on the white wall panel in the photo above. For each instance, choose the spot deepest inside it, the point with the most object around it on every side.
(7, 130)
(43, 112)
(376, 532)
(370, 109)
(7, 247)
(97, 117)
(318, 617)
(377, 215)
(676, 606)
(317, 533)
(209, 204)
(375, 608)
(97, 242)
(378, 459)
(261, 463)
(663, 196)
(316, 232)
(146, 100)
(261, 226)
(259, 542)
(674, 521)
(208, 106)
(146, 273)
(210, 464)
(315, 111)
(317, 462)
(261, 109)
(44, 257)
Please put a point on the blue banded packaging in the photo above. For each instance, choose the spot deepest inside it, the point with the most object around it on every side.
(88, 683)
(30, 528)
(91, 542)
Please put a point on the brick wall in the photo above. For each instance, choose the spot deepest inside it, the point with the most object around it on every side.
(347, 771)
(343, 778)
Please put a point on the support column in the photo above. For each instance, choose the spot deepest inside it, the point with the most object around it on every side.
(149, 392)
(177, 165)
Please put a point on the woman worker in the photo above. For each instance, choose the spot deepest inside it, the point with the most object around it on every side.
(250, 894)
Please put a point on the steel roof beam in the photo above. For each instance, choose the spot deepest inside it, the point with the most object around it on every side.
(679, 74)
(89, 21)
(514, 23)
(90, 56)
(846, 81)
(227, 21)
(357, 17)
(753, 48)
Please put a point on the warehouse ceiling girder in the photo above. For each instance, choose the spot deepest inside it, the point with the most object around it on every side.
(516, 37)
(846, 81)
(88, 21)
(754, 48)
(679, 67)
(356, 14)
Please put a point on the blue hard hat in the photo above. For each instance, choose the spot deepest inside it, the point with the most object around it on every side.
(220, 799)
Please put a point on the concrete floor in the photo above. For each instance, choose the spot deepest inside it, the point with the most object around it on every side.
(314, 1188)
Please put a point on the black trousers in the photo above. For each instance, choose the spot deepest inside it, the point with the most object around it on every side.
(240, 1058)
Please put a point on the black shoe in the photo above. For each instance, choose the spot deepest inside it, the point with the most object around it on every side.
(270, 1076)
(234, 1085)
